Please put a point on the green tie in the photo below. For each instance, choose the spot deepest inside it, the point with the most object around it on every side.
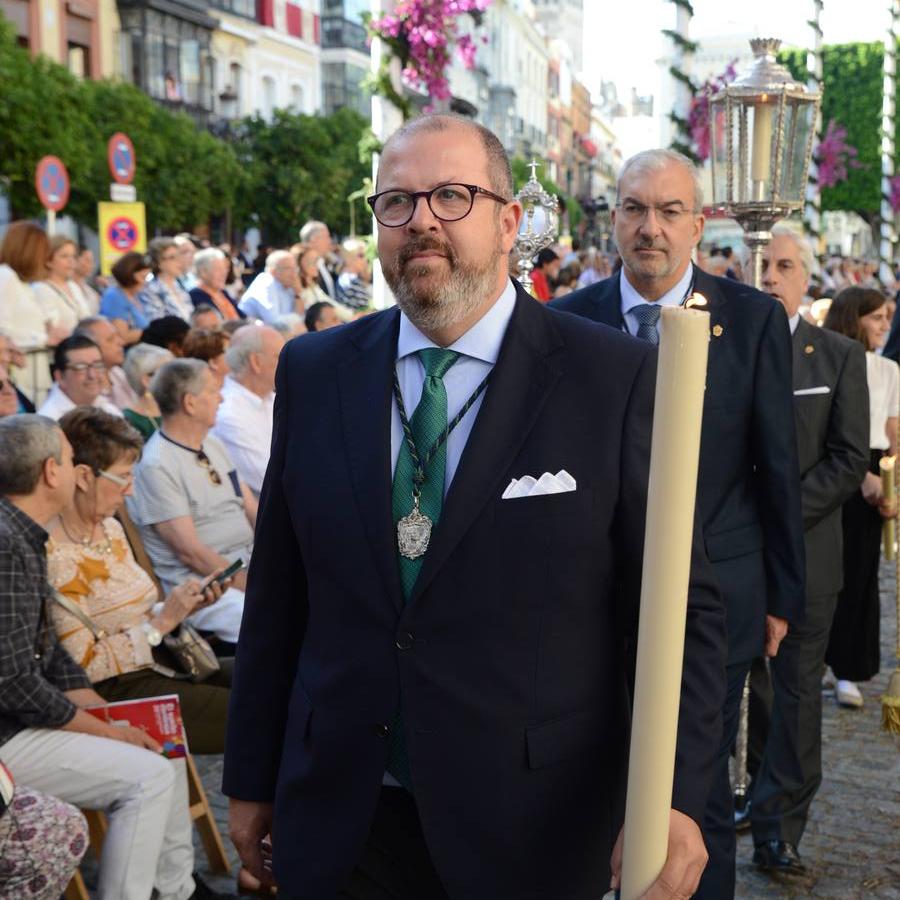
(427, 424)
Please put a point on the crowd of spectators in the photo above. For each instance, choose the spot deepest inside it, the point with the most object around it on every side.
(134, 485)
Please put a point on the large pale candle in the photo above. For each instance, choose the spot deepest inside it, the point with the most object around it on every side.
(674, 457)
(888, 488)
(761, 160)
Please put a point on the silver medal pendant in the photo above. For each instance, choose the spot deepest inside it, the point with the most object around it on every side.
(413, 533)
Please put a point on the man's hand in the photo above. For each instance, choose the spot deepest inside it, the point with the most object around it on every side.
(776, 629)
(249, 824)
(685, 861)
(130, 735)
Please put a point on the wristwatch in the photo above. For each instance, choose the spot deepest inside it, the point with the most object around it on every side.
(154, 635)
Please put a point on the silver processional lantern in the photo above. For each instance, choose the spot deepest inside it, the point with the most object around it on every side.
(762, 130)
(539, 227)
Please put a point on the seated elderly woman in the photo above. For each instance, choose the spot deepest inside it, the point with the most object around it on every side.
(211, 266)
(91, 564)
(140, 366)
(210, 346)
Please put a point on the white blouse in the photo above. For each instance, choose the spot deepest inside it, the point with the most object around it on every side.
(61, 309)
(883, 376)
(21, 316)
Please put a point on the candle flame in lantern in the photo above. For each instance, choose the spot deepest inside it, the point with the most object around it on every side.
(695, 300)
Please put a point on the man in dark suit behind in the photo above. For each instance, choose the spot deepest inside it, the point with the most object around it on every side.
(831, 406)
(455, 724)
(748, 489)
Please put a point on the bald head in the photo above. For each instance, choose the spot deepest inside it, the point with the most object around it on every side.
(498, 167)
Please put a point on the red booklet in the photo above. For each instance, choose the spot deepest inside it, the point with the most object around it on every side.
(160, 717)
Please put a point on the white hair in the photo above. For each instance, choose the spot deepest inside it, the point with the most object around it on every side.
(141, 360)
(804, 251)
(309, 231)
(244, 342)
(204, 259)
(275, 257)
(654, 161)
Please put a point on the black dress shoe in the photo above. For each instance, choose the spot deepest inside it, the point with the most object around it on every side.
(741, 813)
(778, 856)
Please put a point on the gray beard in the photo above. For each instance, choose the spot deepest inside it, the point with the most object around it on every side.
(449, 302)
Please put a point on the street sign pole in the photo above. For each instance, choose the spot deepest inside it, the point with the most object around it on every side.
(51, 222)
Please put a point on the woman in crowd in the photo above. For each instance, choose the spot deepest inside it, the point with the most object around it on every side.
(121, 302)
(85, 276)
(140, 366)
(853, 652)
(211, 267)
(23, 259)
(309, 290)
(91, 564)
(163, 295)
(42, 840)
(355, 280)
(210, 346)
(59, 295)
(9, 401)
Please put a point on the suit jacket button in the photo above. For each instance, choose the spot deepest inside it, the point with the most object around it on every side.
(405, 641)
(381, 730)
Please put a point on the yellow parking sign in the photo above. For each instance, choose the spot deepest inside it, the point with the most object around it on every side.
(122, 228)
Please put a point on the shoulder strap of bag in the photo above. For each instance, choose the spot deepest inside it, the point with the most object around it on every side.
(75, 610)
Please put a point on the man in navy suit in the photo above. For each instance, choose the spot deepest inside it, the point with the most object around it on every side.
(748, 490)
(431, 686)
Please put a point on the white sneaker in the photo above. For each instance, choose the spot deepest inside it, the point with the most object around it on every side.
(828, 680)
(848, 695)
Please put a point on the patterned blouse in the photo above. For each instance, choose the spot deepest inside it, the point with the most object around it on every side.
(115, 593)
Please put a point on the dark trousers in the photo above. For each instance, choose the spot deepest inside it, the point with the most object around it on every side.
(790, 727)
(717, 882)
(395, 863)
(204, 706)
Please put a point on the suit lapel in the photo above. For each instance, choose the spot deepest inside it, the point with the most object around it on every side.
(520, 384)
(607, 303)
(364, 384)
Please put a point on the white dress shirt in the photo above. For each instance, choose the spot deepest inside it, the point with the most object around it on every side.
(244, 426)
(478, 349)
(58, 403)
(794, 321)
(21, 316)
(675, 296)
(267, 298)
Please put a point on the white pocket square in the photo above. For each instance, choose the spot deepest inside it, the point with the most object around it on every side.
(528, 486)
(805, 392)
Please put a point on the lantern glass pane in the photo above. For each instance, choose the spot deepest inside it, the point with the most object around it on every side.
(798, 121)
(720, 139)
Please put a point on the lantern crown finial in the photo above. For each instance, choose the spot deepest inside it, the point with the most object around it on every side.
(765, 46)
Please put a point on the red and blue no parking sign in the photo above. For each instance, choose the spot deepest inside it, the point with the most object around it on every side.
(121, 158)
(51, 181)
(122, 233)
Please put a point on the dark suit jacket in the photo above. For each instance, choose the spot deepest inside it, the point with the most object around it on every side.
(509, 654)
(748, 490)
(833, 444)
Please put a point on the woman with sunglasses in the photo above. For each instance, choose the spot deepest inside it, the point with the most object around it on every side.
(91, 564)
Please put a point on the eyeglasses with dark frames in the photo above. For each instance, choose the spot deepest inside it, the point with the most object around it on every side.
(447, 202)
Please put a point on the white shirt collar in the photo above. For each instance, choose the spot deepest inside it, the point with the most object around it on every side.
(233, 386)
(673, 297)
(482, 341)
(794, 321)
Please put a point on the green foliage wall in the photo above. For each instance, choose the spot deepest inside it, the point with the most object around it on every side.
(852, 81)
(273, 175)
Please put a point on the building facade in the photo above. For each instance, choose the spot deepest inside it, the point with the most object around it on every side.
(345, 56)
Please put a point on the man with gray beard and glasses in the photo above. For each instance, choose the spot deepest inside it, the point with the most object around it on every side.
(442, 711)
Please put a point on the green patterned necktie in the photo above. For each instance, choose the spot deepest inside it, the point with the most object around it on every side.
(427, 424)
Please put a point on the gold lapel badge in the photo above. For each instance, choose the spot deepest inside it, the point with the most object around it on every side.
(718, 331)
(809, 349)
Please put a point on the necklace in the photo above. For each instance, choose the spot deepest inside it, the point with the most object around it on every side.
(85, 541)
(414, 529)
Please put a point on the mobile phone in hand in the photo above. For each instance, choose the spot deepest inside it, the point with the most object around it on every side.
(232, 570)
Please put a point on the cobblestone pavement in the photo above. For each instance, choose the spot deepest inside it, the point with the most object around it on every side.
(852, 843)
